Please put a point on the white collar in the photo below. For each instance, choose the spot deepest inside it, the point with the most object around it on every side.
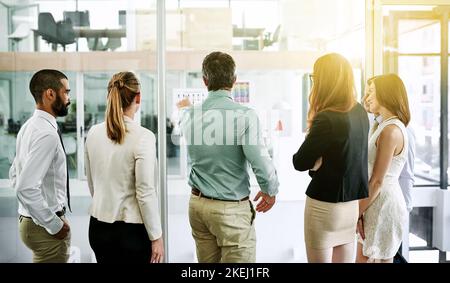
(47, 116)
(127, 119)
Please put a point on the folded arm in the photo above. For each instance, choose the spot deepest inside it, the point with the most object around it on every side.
(315, 144)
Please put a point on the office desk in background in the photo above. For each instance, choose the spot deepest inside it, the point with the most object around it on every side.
(109, 33)
(253, 38)
(85, 32)
(96, 34)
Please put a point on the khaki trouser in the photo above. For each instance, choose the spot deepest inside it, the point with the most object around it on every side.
(223, 231)
(45, 247)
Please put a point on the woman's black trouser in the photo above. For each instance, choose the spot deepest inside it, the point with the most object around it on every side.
(119, 242)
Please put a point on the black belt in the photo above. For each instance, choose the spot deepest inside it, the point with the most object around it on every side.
(196, 192)
(58, 213)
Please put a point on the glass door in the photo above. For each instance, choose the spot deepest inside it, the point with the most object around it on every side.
(412, 50)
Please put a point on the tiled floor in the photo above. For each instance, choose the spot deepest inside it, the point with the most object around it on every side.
(279, 236)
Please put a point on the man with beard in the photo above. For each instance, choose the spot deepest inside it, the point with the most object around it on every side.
(39, 171)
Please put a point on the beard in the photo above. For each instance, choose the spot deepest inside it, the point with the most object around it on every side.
(59, 108)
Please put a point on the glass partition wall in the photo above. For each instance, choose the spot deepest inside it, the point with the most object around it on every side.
(274, 44)
(89, 70)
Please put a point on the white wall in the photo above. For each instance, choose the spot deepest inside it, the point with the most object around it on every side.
(308, 25)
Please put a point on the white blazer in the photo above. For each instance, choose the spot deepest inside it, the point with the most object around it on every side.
(122, 177)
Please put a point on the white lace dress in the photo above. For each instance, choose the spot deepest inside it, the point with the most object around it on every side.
(384, 219)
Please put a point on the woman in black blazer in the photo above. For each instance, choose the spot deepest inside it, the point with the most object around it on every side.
(335, 152)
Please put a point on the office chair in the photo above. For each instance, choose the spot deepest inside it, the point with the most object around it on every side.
(55, 32)
(13, 126)
(47, 28)
(65, 32)
(268, 40)
(78, 18)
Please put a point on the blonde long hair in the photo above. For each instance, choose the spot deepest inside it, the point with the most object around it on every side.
(333, 86)
(122, 89)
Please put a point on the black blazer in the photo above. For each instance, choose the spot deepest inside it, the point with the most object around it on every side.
(341, 139)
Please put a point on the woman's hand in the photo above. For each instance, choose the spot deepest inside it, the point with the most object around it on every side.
(360, 228)
(317, 165)
(157, 251)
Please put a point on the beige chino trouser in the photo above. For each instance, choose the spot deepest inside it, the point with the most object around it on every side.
(223, 231)
(45, 247)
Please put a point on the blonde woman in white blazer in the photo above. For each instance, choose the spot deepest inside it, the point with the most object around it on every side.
(120, 158)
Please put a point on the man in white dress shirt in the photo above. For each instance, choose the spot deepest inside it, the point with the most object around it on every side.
(39, 171)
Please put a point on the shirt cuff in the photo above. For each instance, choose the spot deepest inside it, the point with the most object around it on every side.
(271, 191)
(155, 235)
(54, 226)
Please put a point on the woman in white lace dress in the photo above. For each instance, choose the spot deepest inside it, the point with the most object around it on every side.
(383, 214)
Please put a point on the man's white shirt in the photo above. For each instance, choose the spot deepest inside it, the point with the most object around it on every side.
(38, 172)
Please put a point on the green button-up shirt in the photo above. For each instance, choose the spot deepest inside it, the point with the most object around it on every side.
(223, 138)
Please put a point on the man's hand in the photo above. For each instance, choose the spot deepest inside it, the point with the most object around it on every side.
(360, 228)
(266, 202)
(157, 251)
(184, 103)
(62, 234)
(317, 165)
